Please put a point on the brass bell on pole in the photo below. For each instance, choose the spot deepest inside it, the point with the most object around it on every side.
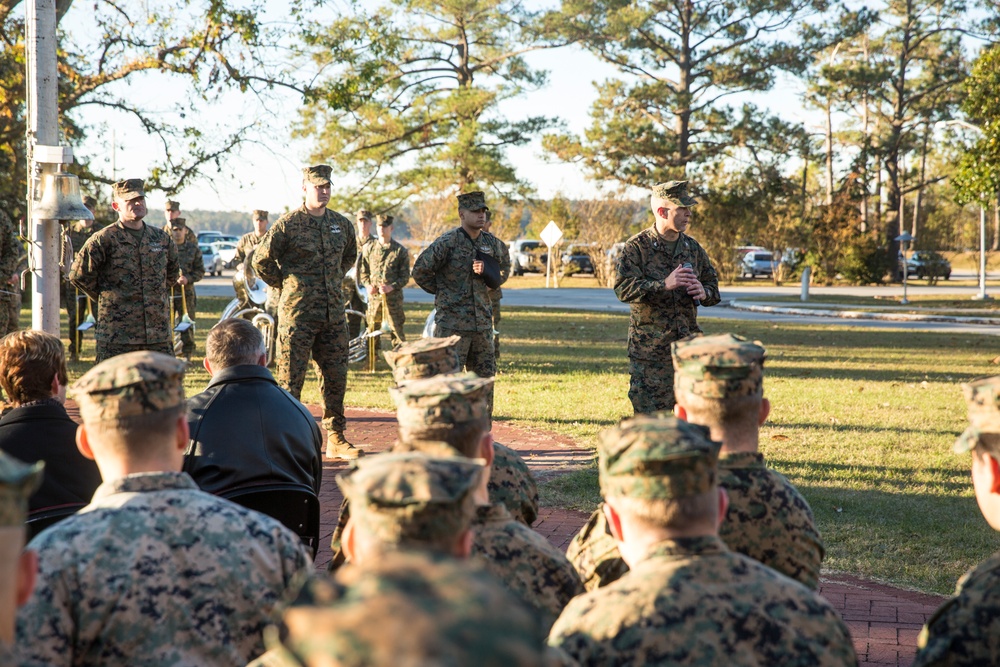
(61, 199)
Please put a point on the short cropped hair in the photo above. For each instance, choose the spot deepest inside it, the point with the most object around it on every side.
(234, 342)
(726, 413)
(677, 513)
(137, 435)
(463, 437)
(28, 362)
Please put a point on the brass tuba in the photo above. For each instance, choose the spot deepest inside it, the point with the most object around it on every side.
(251, 304)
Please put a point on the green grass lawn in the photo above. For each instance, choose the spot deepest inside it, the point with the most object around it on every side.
(863, 422)
(922, 303)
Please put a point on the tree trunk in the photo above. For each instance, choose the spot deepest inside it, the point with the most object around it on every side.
(920, 183)
(996, 224)
(829, 155)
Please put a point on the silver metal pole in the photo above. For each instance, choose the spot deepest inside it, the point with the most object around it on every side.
(43, 128)
(982, 256)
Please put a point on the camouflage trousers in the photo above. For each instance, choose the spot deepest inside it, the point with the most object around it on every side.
(396, 316)
(327, 342)
(75, 303)
(187, 337)
(106, 350)
(651, 385)
(475, 353)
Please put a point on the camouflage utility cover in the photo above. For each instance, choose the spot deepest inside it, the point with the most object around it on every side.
(130, 384)
(472, 201)
(130, 279)
(410, 497)
(675, 192)
(318, 174)
(691, 601)
(171, 205)
(656, 458)
(259, 214)
(722, 366)
(129, 189)
(442, 400)
(983, 398)
(423, 358)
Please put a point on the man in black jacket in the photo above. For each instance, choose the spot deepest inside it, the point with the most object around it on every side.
(245, 429)
(33, 375)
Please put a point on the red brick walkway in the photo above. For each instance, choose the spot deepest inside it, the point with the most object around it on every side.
(884, 621)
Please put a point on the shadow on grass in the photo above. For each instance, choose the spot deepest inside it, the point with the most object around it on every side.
(859, 428)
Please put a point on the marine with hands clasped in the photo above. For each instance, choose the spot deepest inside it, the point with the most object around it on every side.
(453, 269)
(128, 268)
(306, 254)
(385, 269)
(664, 275)
(250, 240)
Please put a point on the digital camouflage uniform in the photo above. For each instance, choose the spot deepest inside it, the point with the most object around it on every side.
(526, 563)
(130, 279)
(352, 298)
(307, 257)
(408, 608)
(18, 481)
(965, 630)
(192, 266)
(496, 295)
(385, 265)
(461, 297)
(74, 300)
(691, 601)
(153, 571)
(10, 252)
(659, 317)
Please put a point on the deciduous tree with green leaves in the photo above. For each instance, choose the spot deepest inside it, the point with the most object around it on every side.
(211, 48)
(408, 101)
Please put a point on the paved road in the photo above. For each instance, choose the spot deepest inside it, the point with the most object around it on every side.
(599, 299)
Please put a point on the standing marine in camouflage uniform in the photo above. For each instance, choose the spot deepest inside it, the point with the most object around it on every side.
(129, 268)
(153, 571)
(449, 270)
(250, 240)
(10, 253)
(965, 630)
(75, 301)
(663, 293)
(719, 384)
(385, 268)
(511, 483)
(306, 254)
(356, 325)
(450, 413)
(192, 266)
(687, 599)
(497, 294)
(17, 567)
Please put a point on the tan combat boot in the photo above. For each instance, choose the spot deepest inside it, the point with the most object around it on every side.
(337, 447)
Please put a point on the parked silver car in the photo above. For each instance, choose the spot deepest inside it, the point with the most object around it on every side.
(210, 256)
(757, 263)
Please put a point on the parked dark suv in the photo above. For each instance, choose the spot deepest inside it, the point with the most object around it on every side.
(928, 264)
(576, 260)
(527, 255)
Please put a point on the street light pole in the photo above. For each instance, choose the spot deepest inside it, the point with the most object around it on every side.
(982, 296)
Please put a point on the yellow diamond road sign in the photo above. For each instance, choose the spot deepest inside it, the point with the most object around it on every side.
(551, 234)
